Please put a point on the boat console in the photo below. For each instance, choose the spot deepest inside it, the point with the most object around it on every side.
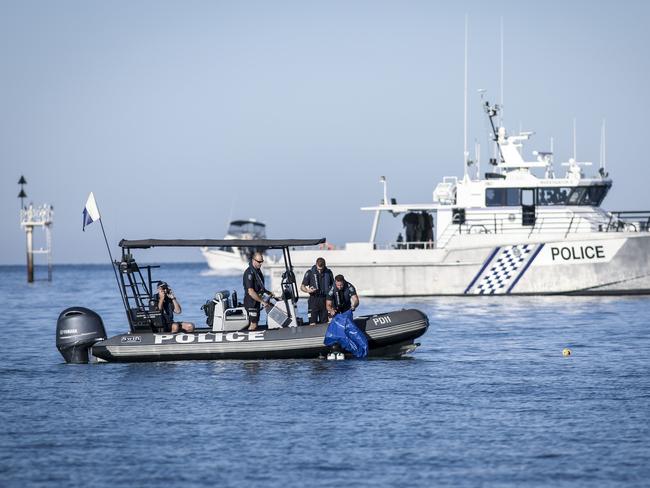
(224, 313)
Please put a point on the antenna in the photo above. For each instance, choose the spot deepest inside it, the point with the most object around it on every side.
(501, 114)
(465, 152)
(477, 158)
(232, 207)
(550, 171)
(603, 149)
(575, 157)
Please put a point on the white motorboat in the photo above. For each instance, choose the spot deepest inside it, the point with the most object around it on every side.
(231, 260)
(510, 231)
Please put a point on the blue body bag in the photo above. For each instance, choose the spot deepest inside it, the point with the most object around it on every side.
(343, 331)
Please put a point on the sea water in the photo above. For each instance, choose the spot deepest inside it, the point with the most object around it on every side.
(488, 399)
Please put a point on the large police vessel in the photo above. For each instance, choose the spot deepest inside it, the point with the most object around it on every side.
(81, 335)
(511, 231)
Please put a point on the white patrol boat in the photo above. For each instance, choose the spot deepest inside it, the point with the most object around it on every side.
(509, 232)
(225, 260)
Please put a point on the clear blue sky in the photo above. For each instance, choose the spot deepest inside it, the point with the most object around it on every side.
(174, 113)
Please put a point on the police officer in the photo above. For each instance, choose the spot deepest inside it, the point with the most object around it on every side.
(254, 290)
(168, 305)
(410, 222)
(317, 282)
(341, 297)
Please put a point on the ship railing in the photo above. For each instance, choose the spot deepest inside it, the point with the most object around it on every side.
(570, 222)
(564, 223)
(629, 221)
(402, 245)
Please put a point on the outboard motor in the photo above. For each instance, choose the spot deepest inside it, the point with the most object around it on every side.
(77, 329)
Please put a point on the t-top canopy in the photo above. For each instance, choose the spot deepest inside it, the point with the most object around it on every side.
(258, 243)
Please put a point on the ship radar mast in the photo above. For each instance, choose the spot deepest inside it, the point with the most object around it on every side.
(603, 153)
(492, 111)
(509, 146)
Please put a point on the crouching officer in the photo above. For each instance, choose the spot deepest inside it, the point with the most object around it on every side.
(166, 302)
(317, 282)
(254, 290)
(341, 297)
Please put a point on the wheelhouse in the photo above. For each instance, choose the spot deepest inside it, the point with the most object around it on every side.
(247, 229)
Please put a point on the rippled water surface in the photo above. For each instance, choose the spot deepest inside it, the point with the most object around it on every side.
(487, 400)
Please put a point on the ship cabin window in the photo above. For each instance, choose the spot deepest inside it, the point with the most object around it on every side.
(594, 195)
(553, 196)
(581, 195)
(576, 196)
(502, 197)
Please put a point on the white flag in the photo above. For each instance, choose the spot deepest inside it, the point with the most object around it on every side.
(91, 212)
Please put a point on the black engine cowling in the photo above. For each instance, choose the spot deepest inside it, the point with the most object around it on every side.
(77, 329)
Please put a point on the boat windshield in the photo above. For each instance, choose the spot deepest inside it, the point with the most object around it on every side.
(256, 230)
(582, 195)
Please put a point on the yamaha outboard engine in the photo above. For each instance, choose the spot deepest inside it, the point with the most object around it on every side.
(77, 329)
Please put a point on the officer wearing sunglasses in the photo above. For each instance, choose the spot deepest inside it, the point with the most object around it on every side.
(255, 290)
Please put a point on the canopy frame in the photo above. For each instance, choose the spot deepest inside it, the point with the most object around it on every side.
(259, 243)
(135, 288)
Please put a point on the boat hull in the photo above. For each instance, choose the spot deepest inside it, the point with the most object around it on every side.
(389, 335)
(588, 264)
(224, 263)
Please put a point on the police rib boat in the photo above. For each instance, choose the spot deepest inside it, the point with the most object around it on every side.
(81, 332)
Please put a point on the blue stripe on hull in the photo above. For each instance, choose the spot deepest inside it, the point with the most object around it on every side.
(532, 258)
(485, 265)
(503, 269)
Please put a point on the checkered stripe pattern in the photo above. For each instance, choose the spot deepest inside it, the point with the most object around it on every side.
(503, 269)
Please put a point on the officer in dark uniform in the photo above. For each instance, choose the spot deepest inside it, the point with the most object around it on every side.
(254, 290)
(165, 301)
(410, 222)
(428, 237)
(341, 297)
(317, 282)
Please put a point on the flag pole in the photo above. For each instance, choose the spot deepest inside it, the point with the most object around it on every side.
(91, 214)
(117, 280)
(110, 255)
